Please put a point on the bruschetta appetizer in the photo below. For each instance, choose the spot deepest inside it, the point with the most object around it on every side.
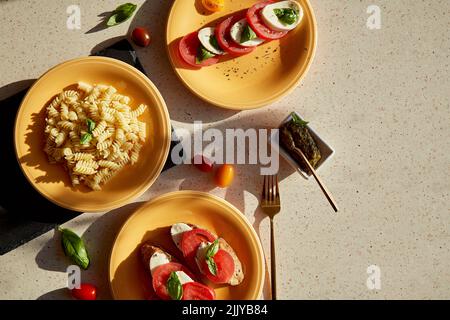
(170, 279)
(212, 256)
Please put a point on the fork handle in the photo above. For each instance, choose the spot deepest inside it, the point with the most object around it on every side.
(273, 271)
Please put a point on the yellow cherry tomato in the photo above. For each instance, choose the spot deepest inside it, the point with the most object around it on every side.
(224, 175)
(213, 5)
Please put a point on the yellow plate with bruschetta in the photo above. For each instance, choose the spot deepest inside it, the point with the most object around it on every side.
(235, 81)
(151, 224)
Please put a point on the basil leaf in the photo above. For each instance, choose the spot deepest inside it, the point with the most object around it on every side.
(174, 287)
(90, 125)
(121, 14)
(211, 265)
(214, 43)
(248, 34)
(86, 138)
(298, 121)
(203, 54)
(286, 16)
(212, 249)
(74, 248)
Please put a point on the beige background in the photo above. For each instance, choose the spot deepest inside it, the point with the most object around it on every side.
(380, 98)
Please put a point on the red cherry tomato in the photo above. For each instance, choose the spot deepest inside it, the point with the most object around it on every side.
(85, 292)
(141, 36)
(224, 175)
(188, 48)
(225, 267)
(257, 24)
(190, 240)
(202, 163)
(197, 291)
(162, 274)
(224, 40)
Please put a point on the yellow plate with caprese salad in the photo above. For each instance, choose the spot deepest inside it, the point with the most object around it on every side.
(151, 223)
(242, 79)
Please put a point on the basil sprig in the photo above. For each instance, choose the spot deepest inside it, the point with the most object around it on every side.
(174, 287)
(121, 14)
(85, 138)
(90, 124)
(210, 253)
(298, 121)
(74, 248)
(286, 15)
(248, 34)
(203, 54)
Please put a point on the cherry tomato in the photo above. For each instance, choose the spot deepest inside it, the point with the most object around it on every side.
(188, 48)
(224, 40)
(213, 5)
(255, 21)
(197, 291)
(225, 267)
(85, 292)
(202, 163)
(224, 175)
(141, 36)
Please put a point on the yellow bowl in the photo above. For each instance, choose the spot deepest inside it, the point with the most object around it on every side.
(262, 77)
(51, 180)
(127, 275)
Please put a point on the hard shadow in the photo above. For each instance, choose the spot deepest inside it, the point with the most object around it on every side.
(102, 24)
(58, 294)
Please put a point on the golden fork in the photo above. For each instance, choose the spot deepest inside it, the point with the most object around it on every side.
(270, 203)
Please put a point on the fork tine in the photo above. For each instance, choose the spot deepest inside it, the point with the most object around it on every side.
(271, 189)
(274, 187)
(277, 187)
(265, 190)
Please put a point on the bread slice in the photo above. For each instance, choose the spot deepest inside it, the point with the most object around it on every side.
(238, 275)
(147, 250)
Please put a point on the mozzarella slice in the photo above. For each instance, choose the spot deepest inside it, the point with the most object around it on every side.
(158, 259)
(183, 277)
(177, 230)
(236, 34)
(204, 35)
(270, 18)
(201, 253)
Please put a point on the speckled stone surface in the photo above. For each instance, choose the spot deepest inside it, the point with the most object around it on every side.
(380, 98)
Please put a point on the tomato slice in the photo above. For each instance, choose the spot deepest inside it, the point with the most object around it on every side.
(197, 291)
(188, 48)
(162, 274)
(224, 38)
(225, 267)
(190, 241)
(258, 25)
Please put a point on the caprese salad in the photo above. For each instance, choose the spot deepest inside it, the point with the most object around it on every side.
(172, 280)
(241, 33)
(210, 255)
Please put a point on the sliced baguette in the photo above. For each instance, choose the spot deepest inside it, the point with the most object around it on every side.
(238, 275)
